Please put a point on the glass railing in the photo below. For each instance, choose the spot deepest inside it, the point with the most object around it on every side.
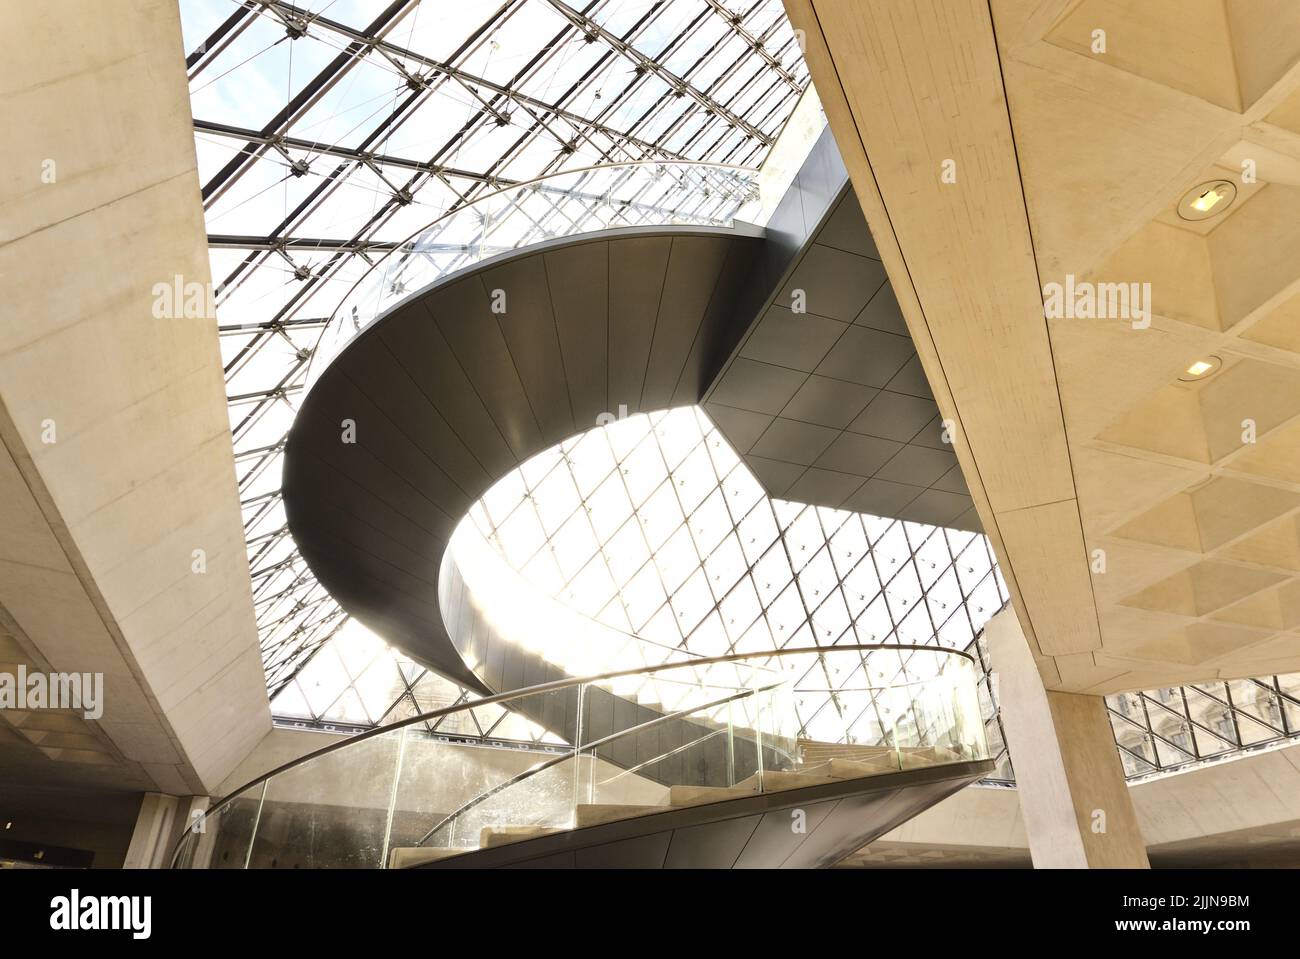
(637, 742)
(645, 193)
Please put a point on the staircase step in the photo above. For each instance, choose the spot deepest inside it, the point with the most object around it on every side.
(814, 751)
(501, 835)
(778, 780)
(830, 770)
(886, 756)
(592, 814)
(805, 774)
(417, 855)
(927, 756)
(695, 795)
(858, 768)
(886, 763)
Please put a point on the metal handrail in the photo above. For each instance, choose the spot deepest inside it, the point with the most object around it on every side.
(551, 687)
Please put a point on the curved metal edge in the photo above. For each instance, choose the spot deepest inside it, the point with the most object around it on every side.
(963, 772)
(737, 228)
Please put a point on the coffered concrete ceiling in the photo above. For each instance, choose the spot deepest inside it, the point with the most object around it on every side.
(1147, 524)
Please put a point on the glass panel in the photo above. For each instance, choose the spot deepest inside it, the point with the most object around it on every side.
(331, 812)
(221, 840)
(643, 740)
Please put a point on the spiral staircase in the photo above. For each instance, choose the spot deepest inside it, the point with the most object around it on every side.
(721, 775)
(656, 757)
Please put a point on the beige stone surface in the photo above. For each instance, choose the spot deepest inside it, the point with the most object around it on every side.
(1240, 812)
(100, 526)
(1098, 472)
(1078, 812)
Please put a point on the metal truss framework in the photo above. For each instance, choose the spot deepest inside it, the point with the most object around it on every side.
(526, 88)
(1165, 730)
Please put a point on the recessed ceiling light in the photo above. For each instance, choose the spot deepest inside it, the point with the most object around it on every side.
(1209, 199)
(1200, 369)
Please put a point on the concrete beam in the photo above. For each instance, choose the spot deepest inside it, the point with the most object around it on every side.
(113, 420)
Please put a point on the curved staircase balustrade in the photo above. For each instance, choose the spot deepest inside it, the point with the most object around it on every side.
(636, 193)
(723, 734)
(446, 398)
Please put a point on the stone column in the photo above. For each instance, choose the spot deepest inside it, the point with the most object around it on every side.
(1076, 804)
(162, 821)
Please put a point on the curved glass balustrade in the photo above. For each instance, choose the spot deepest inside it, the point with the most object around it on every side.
(645, 193)
(639, 742)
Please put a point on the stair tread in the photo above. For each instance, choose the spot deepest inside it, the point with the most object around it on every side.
(929, 756)
(403, 857)
(831, 770)
(592, 814)
(813, 752)
(491, 836)
(695, 795)
(831, 762)
(834, 768)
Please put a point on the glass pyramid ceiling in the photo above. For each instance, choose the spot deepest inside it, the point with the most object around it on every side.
(329, 131)
(655, 527)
